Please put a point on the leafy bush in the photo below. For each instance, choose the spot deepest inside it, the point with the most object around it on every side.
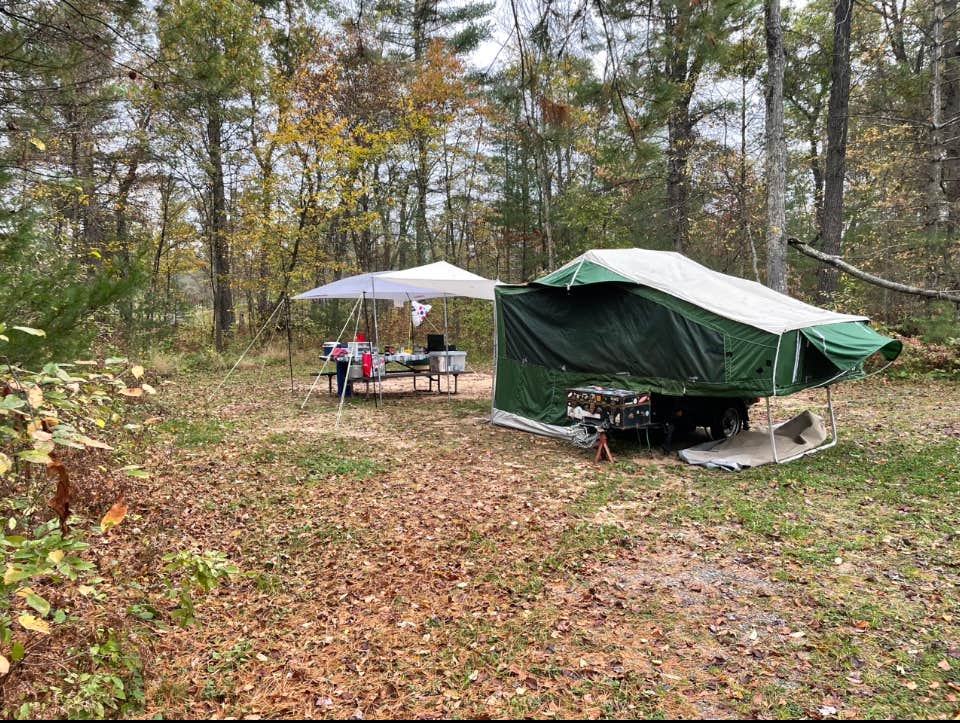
(48, 420)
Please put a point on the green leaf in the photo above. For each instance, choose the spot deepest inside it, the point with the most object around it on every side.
(17, 652)
(11, 401)
(38, 603)
(35, 455)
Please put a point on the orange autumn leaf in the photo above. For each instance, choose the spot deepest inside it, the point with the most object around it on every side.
(114, 515)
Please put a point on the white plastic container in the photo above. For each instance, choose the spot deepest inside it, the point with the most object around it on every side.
(439, 360)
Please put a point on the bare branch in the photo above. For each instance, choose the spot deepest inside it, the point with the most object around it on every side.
(838, 263)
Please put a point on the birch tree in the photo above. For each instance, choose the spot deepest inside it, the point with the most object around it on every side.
(775, 150)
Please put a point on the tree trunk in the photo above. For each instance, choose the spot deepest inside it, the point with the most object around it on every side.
(743, 212)
(421, 15)
(936, 201)
(837, 121)
(776, 152)
(545, 183)
(223, 315)
(680, 137)
(816, 171)
(950, 108)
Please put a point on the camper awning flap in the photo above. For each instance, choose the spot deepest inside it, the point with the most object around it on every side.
(731, 297)
(847, 345)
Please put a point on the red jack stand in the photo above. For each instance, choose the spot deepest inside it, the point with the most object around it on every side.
(603, 449)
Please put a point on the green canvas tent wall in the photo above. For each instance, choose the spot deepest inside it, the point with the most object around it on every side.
(658, 321)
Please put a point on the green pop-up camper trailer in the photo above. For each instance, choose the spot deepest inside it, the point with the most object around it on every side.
(657, 321)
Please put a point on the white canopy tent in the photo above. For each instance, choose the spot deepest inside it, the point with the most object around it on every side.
(439, 279)
(444, 279)
(372, 285)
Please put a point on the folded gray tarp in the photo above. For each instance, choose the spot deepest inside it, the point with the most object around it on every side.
(751, 448)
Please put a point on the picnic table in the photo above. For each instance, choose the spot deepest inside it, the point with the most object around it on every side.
(413, 368)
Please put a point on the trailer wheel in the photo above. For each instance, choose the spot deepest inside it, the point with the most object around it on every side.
(728, 422)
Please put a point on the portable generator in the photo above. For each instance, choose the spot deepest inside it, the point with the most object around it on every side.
(605, 408)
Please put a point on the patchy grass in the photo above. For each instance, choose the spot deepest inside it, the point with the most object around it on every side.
(417, 562)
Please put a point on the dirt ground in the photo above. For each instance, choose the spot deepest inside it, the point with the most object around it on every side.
(418, 562)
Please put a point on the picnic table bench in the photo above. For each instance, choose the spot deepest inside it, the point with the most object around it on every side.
(432, 378)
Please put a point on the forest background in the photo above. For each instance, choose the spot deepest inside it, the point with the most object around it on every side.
(171, 170)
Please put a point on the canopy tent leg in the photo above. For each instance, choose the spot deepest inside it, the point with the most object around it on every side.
(327, 360)
(378, 380)
(249, 346)
(822, 447)
(289, 342)
(446, 347)
(346, 380)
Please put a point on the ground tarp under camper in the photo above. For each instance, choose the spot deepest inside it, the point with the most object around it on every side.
(658, 321)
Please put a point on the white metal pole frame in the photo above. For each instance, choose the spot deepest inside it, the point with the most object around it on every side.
(446, 347)
(833, 418)
(327, 359)
(828, 445)
(773, 386)
(833, 432)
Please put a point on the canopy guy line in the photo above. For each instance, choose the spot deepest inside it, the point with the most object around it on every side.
(245, 351)
(346, 380)
(327, 358)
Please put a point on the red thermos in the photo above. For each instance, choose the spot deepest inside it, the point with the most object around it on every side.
(367, 365)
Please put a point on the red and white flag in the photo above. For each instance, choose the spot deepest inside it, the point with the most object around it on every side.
(419, 312)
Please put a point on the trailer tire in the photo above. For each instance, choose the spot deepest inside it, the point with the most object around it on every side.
(728, 421)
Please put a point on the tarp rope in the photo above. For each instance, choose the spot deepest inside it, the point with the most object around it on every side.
(327, 358)
(346, 378)
(249, 347)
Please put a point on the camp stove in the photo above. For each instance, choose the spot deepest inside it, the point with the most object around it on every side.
(605, 408)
